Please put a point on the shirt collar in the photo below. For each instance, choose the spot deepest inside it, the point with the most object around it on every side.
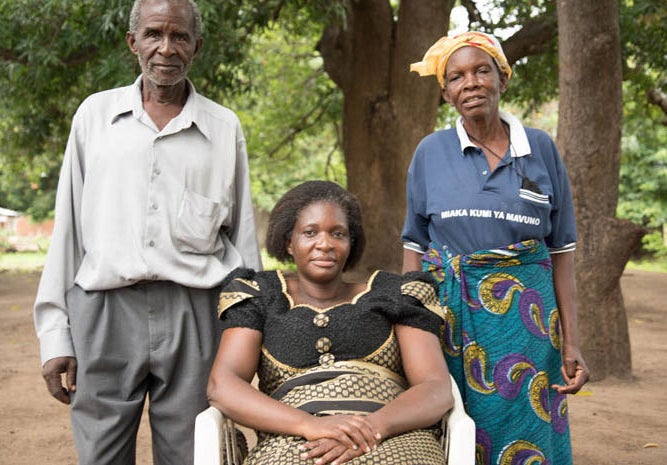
(130, 101)
(518, 139)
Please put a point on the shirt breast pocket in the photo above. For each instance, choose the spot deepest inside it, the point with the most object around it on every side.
(535, 197)
(197, 223)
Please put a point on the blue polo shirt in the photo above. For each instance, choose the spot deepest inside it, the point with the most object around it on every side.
(454, 200)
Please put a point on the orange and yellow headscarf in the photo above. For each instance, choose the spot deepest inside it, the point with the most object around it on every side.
(435, 59)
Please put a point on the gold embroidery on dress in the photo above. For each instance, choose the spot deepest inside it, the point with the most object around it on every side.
(228, 299)
(250, 283)
(292, 304)
(426, 295)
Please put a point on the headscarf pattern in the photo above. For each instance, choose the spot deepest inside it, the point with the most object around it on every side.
(435, 59)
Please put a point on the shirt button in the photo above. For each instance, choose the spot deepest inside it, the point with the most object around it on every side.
(321, 320)
(326, 359)
(151, 244)
(484, 172)
(156, 172)
(323, 345)
(154, 206)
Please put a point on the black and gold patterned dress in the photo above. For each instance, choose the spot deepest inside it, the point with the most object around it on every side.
(342, 359)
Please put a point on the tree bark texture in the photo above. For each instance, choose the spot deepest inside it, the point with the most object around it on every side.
(589, 137)
(387, 109)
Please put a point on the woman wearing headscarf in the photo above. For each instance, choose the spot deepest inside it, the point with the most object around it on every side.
(490, 215)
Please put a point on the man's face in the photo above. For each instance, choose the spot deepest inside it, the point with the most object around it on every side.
(165, 42)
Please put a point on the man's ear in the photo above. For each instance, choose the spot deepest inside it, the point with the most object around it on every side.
(198, 46)
(288, 246)
(130, 39)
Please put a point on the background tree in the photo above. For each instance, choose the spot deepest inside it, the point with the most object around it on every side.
(589, 137)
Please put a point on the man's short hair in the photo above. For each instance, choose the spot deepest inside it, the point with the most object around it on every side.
(135, 16)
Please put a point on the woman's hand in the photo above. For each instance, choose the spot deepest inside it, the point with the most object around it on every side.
(353, 432)
(328, 450)
(574, 370)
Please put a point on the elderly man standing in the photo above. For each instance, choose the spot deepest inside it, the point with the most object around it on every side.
(153, 210)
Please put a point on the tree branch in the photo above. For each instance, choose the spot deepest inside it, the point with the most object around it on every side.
(659, 98)
(532, 38)
(473, 12)
(303, 124)
(82, 56)
(10, 55)
(277, 10)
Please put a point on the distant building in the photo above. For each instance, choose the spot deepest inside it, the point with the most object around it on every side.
(8, 220)
(21, 234)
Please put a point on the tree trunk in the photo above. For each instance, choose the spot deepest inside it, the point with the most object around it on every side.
(589, 137)
(387, 109)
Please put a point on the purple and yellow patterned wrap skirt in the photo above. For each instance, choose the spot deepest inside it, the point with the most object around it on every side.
(502, 344)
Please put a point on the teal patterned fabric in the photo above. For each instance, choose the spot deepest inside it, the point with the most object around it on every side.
(502, 344)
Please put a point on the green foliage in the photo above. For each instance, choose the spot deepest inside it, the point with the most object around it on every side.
(54, 53)
(535, 77)
(290, 115)
(643, 185)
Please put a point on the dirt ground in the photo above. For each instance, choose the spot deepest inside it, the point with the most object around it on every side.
(613, 422)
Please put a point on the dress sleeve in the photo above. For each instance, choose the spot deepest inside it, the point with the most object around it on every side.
(419, 305)
(241, 298)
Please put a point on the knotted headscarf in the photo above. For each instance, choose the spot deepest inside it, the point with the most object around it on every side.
(435, 59)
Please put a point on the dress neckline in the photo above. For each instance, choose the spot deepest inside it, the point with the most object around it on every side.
(354, 300)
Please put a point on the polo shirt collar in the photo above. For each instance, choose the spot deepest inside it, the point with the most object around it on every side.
(130, 101)
(518, 139)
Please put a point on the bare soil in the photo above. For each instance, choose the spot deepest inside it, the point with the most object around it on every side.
(613, 421)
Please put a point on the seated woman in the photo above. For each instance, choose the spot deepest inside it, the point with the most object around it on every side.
(348, 372)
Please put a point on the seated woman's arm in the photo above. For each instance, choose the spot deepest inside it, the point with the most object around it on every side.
(429, 396)
(422, 405)
(231, 392)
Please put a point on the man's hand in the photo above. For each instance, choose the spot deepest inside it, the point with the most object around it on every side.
(52, 373)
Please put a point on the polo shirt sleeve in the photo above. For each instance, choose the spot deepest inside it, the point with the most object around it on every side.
(563, 236)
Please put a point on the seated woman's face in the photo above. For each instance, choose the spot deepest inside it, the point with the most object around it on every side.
(320, 242)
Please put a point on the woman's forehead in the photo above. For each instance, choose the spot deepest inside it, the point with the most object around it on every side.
(468, 56)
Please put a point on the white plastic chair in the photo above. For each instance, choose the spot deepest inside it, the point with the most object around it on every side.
(216, 437)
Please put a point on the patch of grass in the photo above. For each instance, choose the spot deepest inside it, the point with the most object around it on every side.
(34, 261)
(657, 265)
(22, 261)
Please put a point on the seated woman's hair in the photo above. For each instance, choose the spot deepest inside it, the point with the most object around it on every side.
(286, 212)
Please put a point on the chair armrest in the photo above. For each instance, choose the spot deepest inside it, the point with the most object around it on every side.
(460, 432)
(208, 437)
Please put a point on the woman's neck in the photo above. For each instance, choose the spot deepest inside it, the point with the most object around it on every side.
(487, 131)
(321, 295)
(492, 138)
